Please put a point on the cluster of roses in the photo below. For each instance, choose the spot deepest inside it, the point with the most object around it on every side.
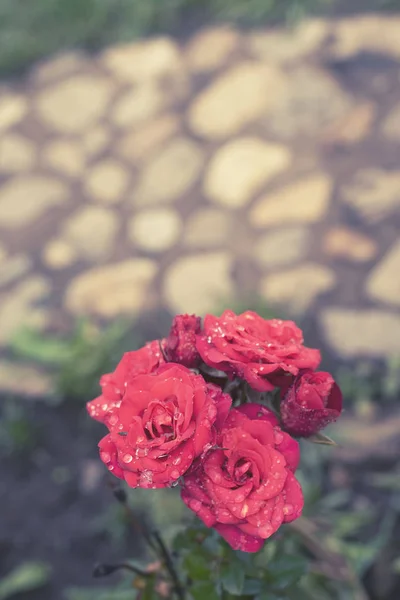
(171, 421)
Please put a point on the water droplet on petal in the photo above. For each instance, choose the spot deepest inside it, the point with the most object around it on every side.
(105, 457)
(175, 474)
(288, 509)
(127, 458)
(113, 420)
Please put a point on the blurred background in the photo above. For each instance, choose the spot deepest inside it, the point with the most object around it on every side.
(167, 156)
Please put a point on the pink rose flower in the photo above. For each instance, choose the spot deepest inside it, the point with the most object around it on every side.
(246, 488)
(255, 349)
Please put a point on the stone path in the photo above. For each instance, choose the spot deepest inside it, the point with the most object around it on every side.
(265, 163)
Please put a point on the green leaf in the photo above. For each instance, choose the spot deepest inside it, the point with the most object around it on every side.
(204, 590)
(232, 577)
(197, 566)
(30, 344)
(96, 593)
(251, 587)
(28, 576)
(286, 571)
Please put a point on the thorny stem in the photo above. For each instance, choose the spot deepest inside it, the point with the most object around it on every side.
(170, 566)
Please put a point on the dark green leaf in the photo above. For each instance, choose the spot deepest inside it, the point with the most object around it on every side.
(204, 590)
(286, 571)
(232, 577)
(251, 587)
(197, 566)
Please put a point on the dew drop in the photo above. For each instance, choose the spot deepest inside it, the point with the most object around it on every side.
(288, 509)
(177, 460)
(127, 458)
(105, 457)
(104, 407)
(113, 420)
(175, 474)
(278, 438)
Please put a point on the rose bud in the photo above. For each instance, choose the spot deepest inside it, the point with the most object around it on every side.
(312, 402)
(258, 350)
(246, 488)
(180, 346)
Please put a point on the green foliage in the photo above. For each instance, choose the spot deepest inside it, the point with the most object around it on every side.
(32, 30)
(25, 578)
(78, 360)
(17, 434)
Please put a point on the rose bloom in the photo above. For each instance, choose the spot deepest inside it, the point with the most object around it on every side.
(246, 489)
(137, 362)
(180, 345)
(255, 349)
(312, 402)
(162, 423)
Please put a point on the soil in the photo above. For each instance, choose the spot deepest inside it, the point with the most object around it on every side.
(51, 497)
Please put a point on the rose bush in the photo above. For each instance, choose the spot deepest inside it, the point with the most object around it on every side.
(170, 420)
(255, 349)
(312, 402)
(163, 422)
(246, 489)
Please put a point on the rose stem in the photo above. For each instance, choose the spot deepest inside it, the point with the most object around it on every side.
(170, 566)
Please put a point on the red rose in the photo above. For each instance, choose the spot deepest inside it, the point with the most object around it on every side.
(180, 346)
(256, 349)
(246, 489)
(164, 421)
(138, 362)
(312, 402)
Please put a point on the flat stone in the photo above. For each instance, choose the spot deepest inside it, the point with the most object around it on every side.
(391, 125)
(282, 246)
(107, 181)
(137, 105)
(240, 168)
(17, 153)
(303, 201)
(240, 96)
(287, 45)
(24, 199)
(383, 284)
(13, 268)
(196, 284)
(19, 307)
(374, 194)
(296, 289)
(362, 333)
(91, 231)
(24, 380)
(64, 156)
(150, 59)
(353, 127)
(313, 100)
(155, 230)
(59, 254)
(211, 48)
(375, 34)
(170, 174)
(95, 140)
(74, 104)
(62, 65)
(13, 109)
(112, 290)
(347, 244)
(208, 227)
(139, 145)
